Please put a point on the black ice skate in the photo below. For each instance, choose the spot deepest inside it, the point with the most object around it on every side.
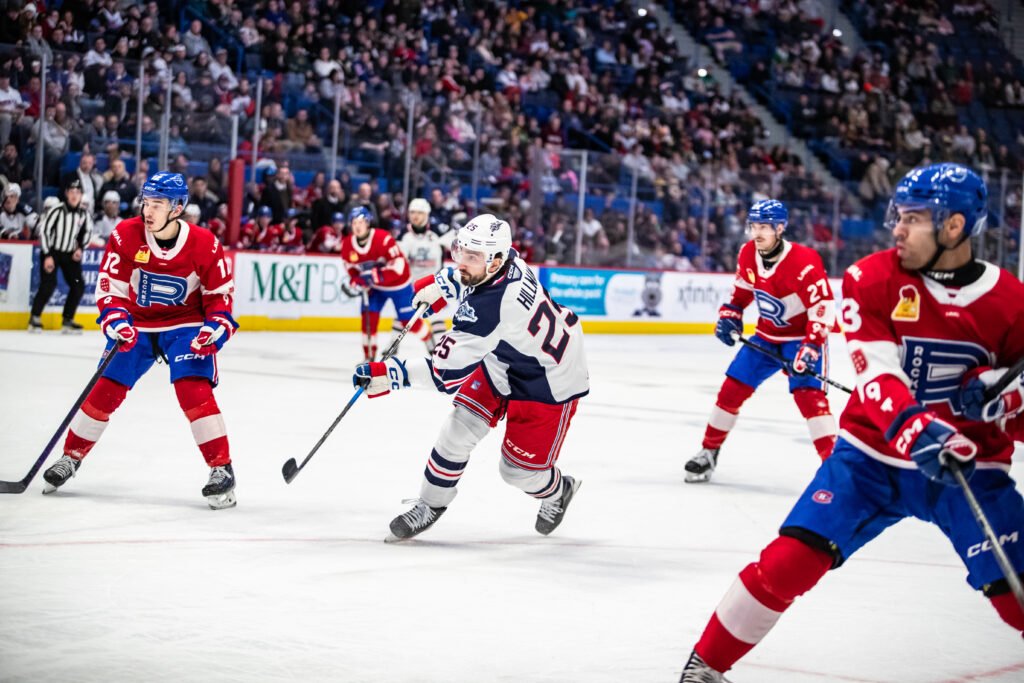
(696, 671)
(35, 324)
(220, 490)
(701, 466)
(59, 472)
(553, 509)
(71, 327)
(417, 520)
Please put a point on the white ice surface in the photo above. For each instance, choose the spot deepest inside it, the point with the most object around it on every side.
(126, 575)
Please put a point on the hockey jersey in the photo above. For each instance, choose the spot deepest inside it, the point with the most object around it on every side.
(530, 347)
(425, 251)
(912, 339)
(380, 262)
(18, 224)
(164, 289)
(794, 299)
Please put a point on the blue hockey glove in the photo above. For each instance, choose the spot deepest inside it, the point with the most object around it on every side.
(380, 378)
(730, 320)
(971, 398)
(806, 357)
(919, 432)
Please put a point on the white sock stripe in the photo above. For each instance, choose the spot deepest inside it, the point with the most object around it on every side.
(86, 427)
(744, 616)
(821, 426)
(722, 420)
(208, 428)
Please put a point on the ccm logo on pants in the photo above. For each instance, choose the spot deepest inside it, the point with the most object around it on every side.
(985, 546)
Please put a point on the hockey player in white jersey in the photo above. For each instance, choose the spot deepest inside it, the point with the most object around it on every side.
(512, 353)
(424, 246)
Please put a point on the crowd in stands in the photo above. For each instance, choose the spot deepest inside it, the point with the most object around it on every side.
(520, 82)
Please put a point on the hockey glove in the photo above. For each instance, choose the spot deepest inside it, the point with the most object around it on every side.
(806, 357)
(971, 398)
(380, 378)
(928, 441)
(354, 287)
(217, 329)
(437, 290)
(117, 324)
(730, 320)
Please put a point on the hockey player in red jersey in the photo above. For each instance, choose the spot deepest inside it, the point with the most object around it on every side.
(918, 319)
(796, 313)
(164, 291)
(377, 269)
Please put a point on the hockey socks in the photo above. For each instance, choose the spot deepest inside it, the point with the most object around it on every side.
(787, 569)
(93, 417)
(195, 396)
(1009, 609)
(370, 322)
(820, 423)
(727, 407)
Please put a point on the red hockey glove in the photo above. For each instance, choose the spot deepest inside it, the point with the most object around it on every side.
(928, 441)
(354, 287)
(806, 359)
(381, 378)
(217, 329)
(971, 399)
(116, 323)
(437, 290)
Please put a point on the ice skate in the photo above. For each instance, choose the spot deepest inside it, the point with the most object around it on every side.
(59, 472)
(417, 520)
(35, 324)
(696, 671)
(553, 509)
(701, 466)
(70, 327)
(220, 490)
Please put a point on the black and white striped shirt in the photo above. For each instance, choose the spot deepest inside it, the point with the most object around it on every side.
(64, 230)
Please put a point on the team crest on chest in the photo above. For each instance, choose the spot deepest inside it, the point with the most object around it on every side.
(142, 255)
(909, 307)
(465, 313)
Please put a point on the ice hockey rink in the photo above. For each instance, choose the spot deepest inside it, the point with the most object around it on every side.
(126, 575)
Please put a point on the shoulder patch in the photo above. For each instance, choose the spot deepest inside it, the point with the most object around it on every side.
(908, 309)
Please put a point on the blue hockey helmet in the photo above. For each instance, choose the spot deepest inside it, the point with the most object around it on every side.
(360, 212)
(943, 189)
(166, 185)
(337, 217)
(264, 211)
(768, 211)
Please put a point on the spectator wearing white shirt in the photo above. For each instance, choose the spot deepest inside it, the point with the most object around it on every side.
(194, 41)
(11, 107)
(98, 55)
(219, 67)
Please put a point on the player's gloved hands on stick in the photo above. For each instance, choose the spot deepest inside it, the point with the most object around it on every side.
(930, 441)
(354, 287)
(730, 321)
(971, 397)
(118, 325)
(806, 356)
(437, 290)
(217, 329)
(381, 377)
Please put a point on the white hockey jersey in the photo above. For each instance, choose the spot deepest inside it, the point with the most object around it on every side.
(18, 224)
(425, 251)
(530, 347)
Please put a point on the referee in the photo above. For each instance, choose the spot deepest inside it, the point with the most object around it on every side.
(63, 235)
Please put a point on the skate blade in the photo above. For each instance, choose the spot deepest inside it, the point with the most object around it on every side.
(222, 501)
(391, 538)
(692, 478)
(35, 330)
(65, 330)
(48, 488)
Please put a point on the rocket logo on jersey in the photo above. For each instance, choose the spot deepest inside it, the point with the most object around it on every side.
(937, 366)
(909, 307)
(770, 308)
(160, 289)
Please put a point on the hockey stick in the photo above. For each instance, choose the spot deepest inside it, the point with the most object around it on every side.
(20, 486)
(290, 470)
(1012, 578)
(788, 363)
(1008, 377)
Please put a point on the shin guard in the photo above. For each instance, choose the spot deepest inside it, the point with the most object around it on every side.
(93, 417)
(731, 396)
(821, 423)
(195, 396)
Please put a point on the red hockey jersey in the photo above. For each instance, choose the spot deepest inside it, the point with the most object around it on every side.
(912, 339)
(794, 299)
(164, 289)
(379, 262)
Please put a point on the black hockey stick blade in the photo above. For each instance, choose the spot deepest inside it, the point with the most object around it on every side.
(22, 484)
(788, 363)
(1013, 373)
(289, 470)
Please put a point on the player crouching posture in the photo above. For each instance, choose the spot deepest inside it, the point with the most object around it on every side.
(923, 321)
(512, 352)
(164, 291)
(796, 313)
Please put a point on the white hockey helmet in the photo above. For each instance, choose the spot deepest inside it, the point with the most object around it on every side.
(488, 234)
(419, 204)
(192, 210)
(12, 189)
(111, 196)
(50, 203)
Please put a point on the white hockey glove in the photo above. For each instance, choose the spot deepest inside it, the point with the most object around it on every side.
(437, 290)
(380, 378)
